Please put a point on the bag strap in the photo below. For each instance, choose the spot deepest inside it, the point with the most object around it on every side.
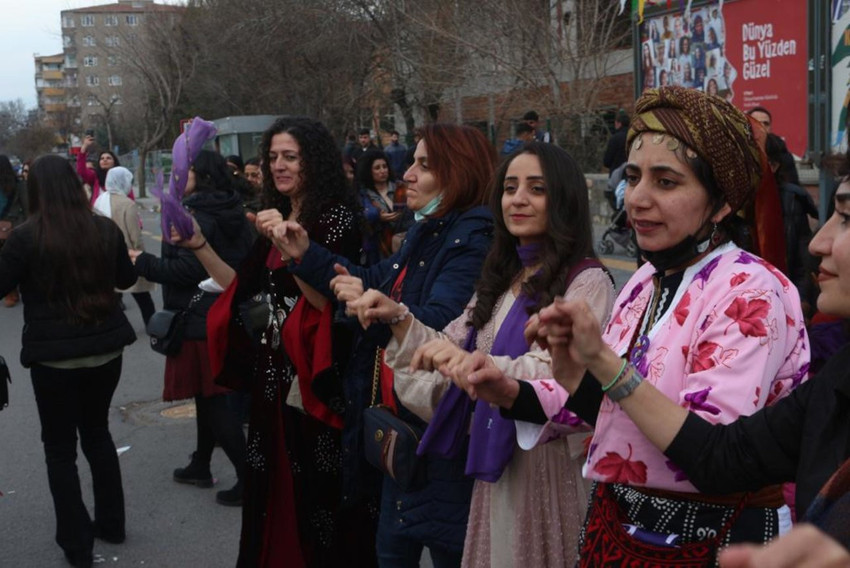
(727, 526)
(376, 374)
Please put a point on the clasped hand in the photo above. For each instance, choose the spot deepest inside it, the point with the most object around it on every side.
(373, 307)
(571, 333)
(289, 237)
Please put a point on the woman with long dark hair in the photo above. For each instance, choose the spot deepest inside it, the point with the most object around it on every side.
(717, 331)
(432, 276)
(68, 262)
(526, 504)
(218, 211)
(293, 514)
(96, 178)
(378, 195)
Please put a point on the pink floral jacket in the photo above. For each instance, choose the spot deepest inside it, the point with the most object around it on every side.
(732, 341)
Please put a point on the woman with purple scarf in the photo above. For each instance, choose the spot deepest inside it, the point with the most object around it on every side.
(524, 503)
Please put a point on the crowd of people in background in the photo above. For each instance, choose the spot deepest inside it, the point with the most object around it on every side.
(463, 293)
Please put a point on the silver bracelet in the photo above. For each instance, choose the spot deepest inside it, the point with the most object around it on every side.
(399, 318)
(627, 385)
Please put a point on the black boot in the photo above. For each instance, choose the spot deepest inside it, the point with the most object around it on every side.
(231, 497)
(196, 473)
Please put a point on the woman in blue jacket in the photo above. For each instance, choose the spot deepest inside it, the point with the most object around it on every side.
(433, 275)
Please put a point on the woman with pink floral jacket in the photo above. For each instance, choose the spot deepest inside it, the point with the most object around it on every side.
(716, 329)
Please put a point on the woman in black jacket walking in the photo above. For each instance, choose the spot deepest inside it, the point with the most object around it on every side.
(68, 262)
(218, 210)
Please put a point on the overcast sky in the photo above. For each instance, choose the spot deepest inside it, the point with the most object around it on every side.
(29, 27)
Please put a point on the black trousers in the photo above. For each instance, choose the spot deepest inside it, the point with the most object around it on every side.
(218, 421)
(71, 401)
(145, 303)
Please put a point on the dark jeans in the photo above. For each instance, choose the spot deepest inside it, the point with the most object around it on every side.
(71, 401)
(397, 551)
(217, 420)
(400, 552)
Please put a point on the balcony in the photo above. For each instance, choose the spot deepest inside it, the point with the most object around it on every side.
(56, 107)
(53, 92)
(53, 75)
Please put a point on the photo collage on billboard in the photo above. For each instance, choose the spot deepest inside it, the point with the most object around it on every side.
(687, 50)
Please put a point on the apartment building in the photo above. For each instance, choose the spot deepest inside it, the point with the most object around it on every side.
(95, 77)
(50, 87)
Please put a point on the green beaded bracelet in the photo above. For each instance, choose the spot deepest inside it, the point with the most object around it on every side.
(607, 387)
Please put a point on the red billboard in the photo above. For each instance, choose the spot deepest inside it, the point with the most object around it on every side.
(751, 52)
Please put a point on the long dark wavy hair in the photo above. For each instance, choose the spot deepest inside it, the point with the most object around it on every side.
(101, 173)
(71, 252)
(363, 172)
(568, 238)
(323, 182)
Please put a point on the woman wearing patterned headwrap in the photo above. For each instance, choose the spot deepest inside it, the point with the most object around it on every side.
(715, 329)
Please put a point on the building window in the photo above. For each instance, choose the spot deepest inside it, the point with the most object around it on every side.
(68, 22)
(92, 80)
(90, 61)
(87, 21)
(132, 20)
(67, 41)
(112, 41)
(89, 41)
(111, 60)
(114, 80)
(91, 100)
(110, 20)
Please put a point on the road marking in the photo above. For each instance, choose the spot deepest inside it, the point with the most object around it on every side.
(628, 265)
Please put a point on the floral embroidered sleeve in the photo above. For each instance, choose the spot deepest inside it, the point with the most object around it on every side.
(750, 349)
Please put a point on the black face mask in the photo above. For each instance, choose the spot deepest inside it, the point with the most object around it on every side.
(677, 255)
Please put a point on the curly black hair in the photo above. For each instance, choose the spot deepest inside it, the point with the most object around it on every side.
(323, 182)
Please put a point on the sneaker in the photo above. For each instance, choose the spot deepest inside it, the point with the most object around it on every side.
(231, 497)
(194, 474)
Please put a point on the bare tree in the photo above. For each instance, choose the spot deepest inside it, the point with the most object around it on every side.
(13, 118)
(278, 57)
(162, 56)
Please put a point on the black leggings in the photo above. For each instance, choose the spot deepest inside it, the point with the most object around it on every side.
(216, 420)
(145, 303)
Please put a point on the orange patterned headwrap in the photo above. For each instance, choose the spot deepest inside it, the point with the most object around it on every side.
(713, 128)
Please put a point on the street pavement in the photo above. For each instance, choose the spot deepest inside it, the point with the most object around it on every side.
(168, 524)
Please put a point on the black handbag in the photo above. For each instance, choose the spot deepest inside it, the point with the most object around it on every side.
(5, 381)
(254, 314)
(167, 327)
(389, 442)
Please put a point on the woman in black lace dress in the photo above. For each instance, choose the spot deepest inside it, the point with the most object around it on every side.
(292, 512)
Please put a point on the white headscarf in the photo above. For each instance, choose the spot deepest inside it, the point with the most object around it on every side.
(119, 180)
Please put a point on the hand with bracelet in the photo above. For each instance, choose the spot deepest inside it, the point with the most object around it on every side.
(574, 339)
(376, 307)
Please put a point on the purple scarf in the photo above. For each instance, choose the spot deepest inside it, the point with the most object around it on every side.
(491, 437)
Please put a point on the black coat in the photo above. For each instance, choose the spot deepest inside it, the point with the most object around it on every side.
(48, 334)
(223, 223)
(803, 437)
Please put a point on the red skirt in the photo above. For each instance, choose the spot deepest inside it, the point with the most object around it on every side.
(188, 373)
